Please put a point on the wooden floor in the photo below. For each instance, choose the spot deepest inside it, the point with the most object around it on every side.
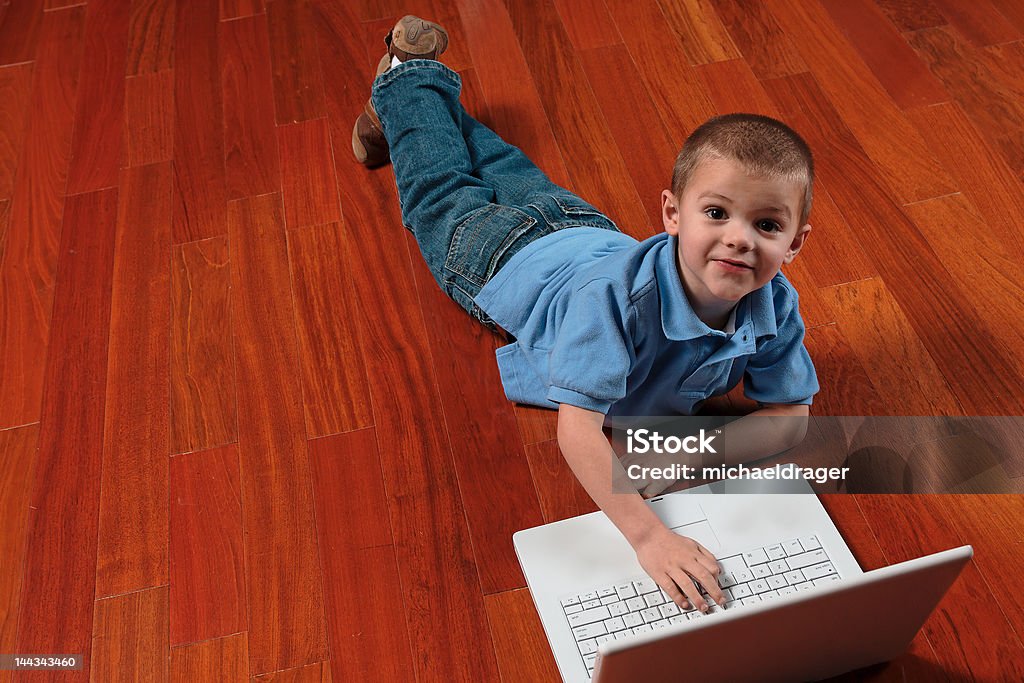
(245, 435)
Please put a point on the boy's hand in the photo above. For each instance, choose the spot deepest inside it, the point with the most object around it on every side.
(675, 562)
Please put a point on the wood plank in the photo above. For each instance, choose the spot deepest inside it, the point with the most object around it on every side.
(335, 388)
(236, 9)
(132, 541)
(701, 32)
(886, 53)
(200, 197)
(207, 569)
(979, 21)
(478, 419)
(765, 47)
(202, 366)
(1012, 10)
(28, 270)
(150, 37)
(635, 125)
(250, 146)
(588, 24)
(846, 387)
(986, 83)
(15, 90)
(221, 659)
(536, 424)
(298, 82)
(560, 494)
(978, 645)
(129, 639)
(18, 449)
(986, 180)
(57, 594)
(523, 651)
(284, 585)
(832, 235)
(907, 378)
(936, 307)
(910, 15)
(514, 108)
(308, 181)
(367, 627)
(991, 273)
(597, 170)
(674, 87)
(20, 32)
(320, 672)
(905, 163)
(99, 114)
(148, 119)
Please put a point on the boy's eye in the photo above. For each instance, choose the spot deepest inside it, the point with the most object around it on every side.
(769, 226)
(714, 213)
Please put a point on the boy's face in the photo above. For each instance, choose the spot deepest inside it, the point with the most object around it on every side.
(735, 231)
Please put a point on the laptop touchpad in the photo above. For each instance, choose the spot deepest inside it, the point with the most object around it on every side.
(700, 532)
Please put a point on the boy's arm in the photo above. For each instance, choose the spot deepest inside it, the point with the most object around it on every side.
(673, 561)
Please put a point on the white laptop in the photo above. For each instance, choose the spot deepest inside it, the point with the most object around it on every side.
(799, 606)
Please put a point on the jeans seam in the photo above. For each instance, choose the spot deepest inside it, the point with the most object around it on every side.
(391, 74)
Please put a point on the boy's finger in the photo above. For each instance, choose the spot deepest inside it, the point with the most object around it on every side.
(685, 583)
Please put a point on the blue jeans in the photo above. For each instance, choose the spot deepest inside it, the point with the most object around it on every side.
(471, 199)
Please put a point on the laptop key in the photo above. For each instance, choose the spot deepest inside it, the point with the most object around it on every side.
(617, 609)
(732, 564)
(779, 567)
(761, 571)
(807, 559)
(759, 586)
(605, 592)
(794, 577)
(810, 542)
(806, 586)
(589, 616)
(614, 624)
(632, 620)
(827, 579)
(726, 579)
(589, 659)
(775, 552)
(625, 591)
(651, 614)
(742, 575)
(741, 591)
(573, 609)
(592, 595)
(645, 586)
(574, 600)
(590, 604)
(589, 631)
(601, 640)
(609, 599)
(669, 609)
(636, 604)
(755, 557)
(677, 619)
(654, 599)
(787, 590)
(587, 646)
(819, 570)
(776, 581)
(660, 624)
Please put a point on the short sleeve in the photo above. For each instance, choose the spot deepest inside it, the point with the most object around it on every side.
(592, 356)
(781, 371)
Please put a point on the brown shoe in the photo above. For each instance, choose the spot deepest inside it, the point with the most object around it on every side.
(368, 142)
(415, 38)
(411, 38)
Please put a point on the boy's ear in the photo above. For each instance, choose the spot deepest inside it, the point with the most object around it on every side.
(797, 243)
(669, 212)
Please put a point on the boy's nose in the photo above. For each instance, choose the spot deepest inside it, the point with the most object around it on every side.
(738, 236)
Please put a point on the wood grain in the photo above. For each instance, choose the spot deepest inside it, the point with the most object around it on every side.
(18, 449)
(986, 83)
(846, 387)
(893, 62)
(523, 652)
(910, 15)
(979, 21)
(587, 23)
(922, 287)
(701, 32)
(250, 146)
(308, 182)
(760, 39)
(20, 31)
(15, 90)
(34, 227)
(907, 166)
(536, 424)
(298, 82)
(132, 540)
(597, 170)
(99, 115)
(129, 639)
(674, 87)
(235, 9)
(635, 125)
(202, 366)
(221, 659)
(148, 119)
(284, 583)
(207, 568)
(57, 594)
(150, 37)
(560, 494)
(320, 672)
(364, 596)
(335, 388)
(200, 196)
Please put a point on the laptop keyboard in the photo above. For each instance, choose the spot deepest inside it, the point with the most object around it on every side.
(638, 606)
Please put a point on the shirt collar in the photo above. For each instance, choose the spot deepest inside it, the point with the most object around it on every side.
(678, 320)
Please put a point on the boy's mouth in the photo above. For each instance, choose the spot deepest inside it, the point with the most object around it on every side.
(733, 263)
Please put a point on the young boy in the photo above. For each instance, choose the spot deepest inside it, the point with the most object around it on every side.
(602, 324)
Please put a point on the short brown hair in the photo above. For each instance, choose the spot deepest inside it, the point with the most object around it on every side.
(763, 145)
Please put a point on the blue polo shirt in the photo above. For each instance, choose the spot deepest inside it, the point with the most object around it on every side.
(602, 322)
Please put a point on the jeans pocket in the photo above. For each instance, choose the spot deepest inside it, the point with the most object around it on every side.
(567, 210)
(480, 240)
